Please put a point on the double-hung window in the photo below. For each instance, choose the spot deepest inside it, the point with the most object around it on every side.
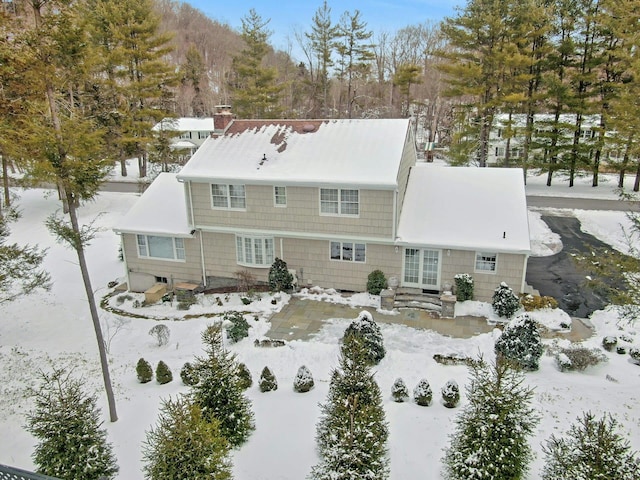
(167, 248)
(486, 262)
(254, 251)
(348, 251)
(339, 201)
(231, 197)
(280, 196)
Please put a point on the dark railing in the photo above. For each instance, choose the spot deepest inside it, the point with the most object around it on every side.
(11, 473)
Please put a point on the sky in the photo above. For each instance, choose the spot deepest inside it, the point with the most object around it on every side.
(289, 16)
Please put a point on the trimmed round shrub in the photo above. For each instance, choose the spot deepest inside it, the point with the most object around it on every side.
(161, 333)
(609, 342)
(505, 303)
(376, 282)
(399, 391)
(267, 381)
(464, 286)
(144, 371)
(163, 373)
(303, 382)
(422, 393)
(520, 343)
(237, 327)
(634, 353)
(189, 374)
(450, 394)
(279, 276)
(365, 328)
(245, 380)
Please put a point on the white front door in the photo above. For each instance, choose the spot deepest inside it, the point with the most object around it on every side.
(421, 268)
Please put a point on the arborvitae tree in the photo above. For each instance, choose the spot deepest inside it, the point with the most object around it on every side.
(244, 376)
(219, 392)
(303, 382)
(189, 374)
(504, 302)
(367, 329)
(254, 89)
(66, 422)
(163, 373)
(352, 432)
(267, 381)
(144, 371)
(184, 445)
(450, 394)
(490, 439)
(422, 394)
(520, 343)
(464, 287)
(279, 276)
(399, 391)
(591, 450)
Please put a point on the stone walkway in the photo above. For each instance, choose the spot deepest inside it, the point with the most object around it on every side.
(301, 319)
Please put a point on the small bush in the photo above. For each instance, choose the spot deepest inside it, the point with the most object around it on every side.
(634, 353)
(120, 299)
(245, 380)
(376, 282)
(399, 391)
(163, 373)
(520, 343)
(189, 374)
(245, 280)
(450, 394)
(267, 381)
(279, 277)
(144, 371)
(422, 394)
(161, 333)
(237, 327)
(367, 329)
(536, 302)
(185, 305)
(303, 382)
(578, 358)
(455, 360)
(245, 300)
(505, 303)
(464, 287)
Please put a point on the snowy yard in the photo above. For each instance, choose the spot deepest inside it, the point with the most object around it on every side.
(50, 328)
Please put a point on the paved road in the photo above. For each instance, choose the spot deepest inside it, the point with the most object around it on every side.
(582, 203)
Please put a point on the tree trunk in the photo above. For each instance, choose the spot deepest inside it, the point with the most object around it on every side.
(5, 184)
(102, 349)
(123, 167)
(636, 184)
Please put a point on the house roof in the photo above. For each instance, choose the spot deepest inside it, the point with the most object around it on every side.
(161, 210)
(186, 124)
(303, 152)
(482, 209)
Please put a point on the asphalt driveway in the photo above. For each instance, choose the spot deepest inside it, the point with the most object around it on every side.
(557, 275)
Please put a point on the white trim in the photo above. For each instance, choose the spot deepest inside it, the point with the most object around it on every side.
(353, 253)
(267, 262)
(339, 202)
(173, 244)
(228, 197)
(486, 253)
(420, 285)
(275, 197)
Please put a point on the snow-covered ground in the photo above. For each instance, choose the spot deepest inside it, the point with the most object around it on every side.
(54, 328)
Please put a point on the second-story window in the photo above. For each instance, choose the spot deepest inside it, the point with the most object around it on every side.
(280, 196)
(185, 135)
(339, 201)
(228, 196)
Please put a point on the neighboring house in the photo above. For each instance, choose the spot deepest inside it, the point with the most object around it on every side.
(508, 133)
(335, 199)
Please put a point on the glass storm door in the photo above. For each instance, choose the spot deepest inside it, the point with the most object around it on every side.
(421, 268)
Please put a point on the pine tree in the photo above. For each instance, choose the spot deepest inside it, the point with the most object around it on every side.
(520, 343)
(366, 329)
(219, 393)
(490, 437)
(591, 450)
(66, 422)
(184, 445)
(267, 381)
(352, 433)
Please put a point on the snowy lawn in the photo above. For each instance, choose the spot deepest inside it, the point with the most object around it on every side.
(54, 328)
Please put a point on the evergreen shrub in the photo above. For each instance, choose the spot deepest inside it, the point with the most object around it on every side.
(279, 277)
(520, 343)
(634, 353)
(365, 330)
(189, 374)
(450, 394)
(245, 380)
(303, 382)
(376, 282)
(609, 342)
(505, 303)
(163, 373)
(237, 327)
(399, 391)
(422, 393)
(464, 287)
(267, 382)
(144, 371)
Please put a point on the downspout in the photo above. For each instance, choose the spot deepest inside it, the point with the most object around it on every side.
(193, 225)
(281, 249)
(192, 221)
(126, 264)
(524, 273)
(204, 271)
(395, 214)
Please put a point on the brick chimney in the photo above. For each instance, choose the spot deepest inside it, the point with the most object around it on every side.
(222, 118)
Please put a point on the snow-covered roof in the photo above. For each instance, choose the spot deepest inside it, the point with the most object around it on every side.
(185, 124)
(161, 210)
(183, 144)
(483, 209)
(303, 152)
